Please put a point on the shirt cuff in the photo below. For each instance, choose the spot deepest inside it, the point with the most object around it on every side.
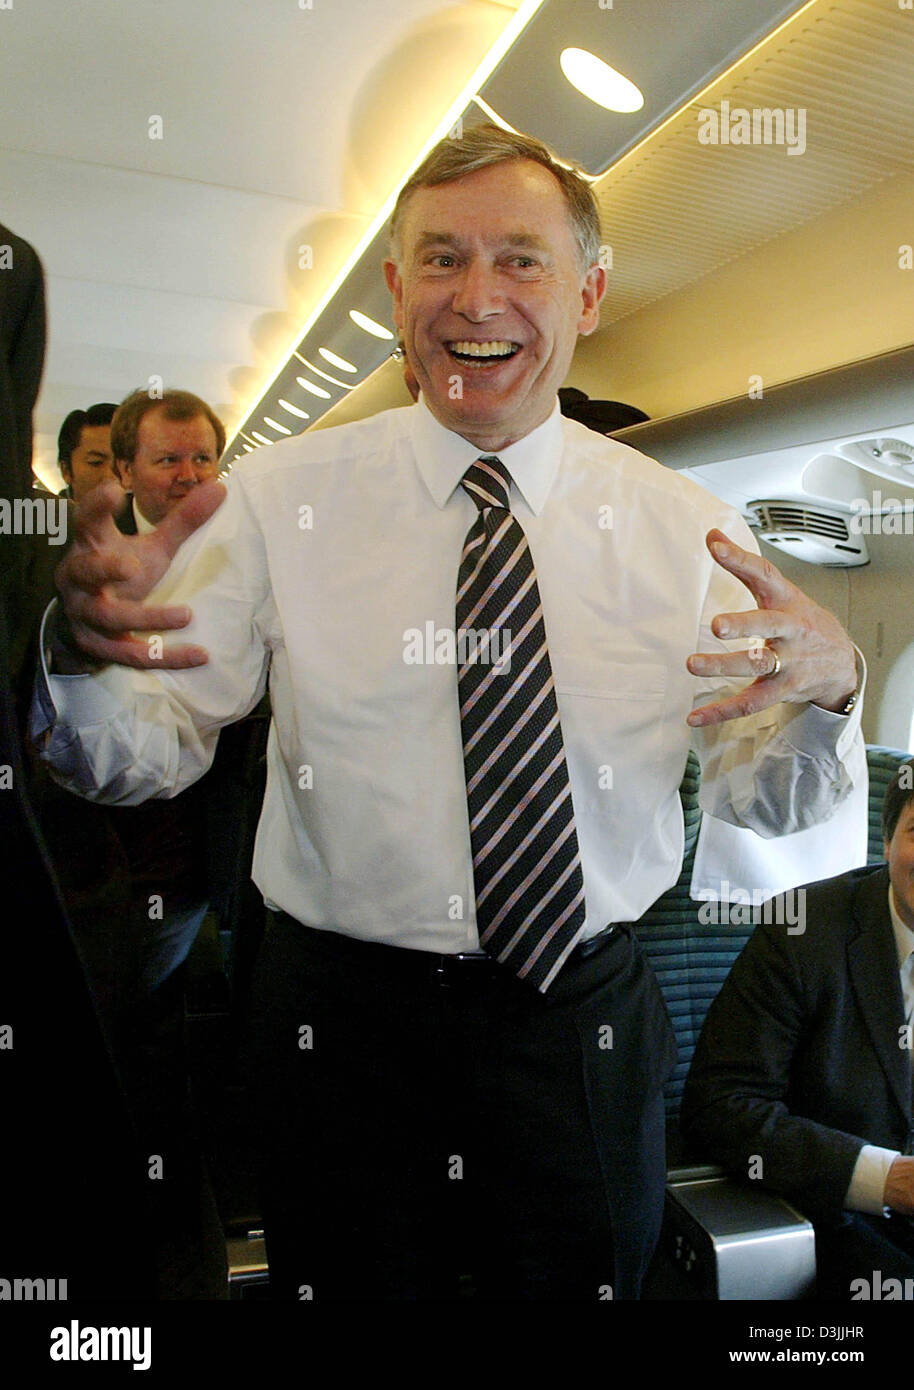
(78, 701)
(866, 1191)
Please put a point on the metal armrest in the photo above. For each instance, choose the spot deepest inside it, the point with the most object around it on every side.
(729, 1239)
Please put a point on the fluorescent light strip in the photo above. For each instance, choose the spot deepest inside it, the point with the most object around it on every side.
(511, 32)
(493, 114)
(346, 386)
(339, 362)
(247, 437)
(294, 409)
(275, 425)
(261, 437)
(249, 448)
(315, 390)
(500, 121)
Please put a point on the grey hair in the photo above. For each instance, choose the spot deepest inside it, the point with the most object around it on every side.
(488, 144)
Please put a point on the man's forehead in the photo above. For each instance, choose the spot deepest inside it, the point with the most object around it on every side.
(487, 195)
(95, 439)
(155, 423)
(517, 238)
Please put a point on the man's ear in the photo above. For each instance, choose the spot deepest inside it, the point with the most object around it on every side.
(66, 471)
(592, 291)
(122, 472)
(395, 285)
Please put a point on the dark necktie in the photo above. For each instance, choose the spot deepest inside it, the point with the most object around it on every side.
(526, 864)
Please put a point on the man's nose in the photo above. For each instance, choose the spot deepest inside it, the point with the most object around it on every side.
(186, 472)
(478, 294)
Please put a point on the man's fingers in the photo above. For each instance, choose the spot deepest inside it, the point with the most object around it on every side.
(762, 694)
(104, 614)
(755, 661)
(90, 569)
(756, 627)
(142, 653)
(189, 514)
(95, 512)
(763, 580)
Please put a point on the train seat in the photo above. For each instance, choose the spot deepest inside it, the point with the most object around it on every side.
(723, 1237)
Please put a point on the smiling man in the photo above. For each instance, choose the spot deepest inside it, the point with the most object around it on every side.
(459, 1050)
(163, 447)
(490, 310)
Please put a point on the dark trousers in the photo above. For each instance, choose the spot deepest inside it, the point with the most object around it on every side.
(424, 1119)
(874, 1249)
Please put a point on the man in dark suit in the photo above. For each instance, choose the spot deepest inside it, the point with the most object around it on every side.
(802, 1075)
(69, 1165)
(84, 449)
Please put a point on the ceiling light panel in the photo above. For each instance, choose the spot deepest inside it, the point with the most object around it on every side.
(668, 52)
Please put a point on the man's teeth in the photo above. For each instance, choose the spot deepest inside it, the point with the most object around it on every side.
(499, 348)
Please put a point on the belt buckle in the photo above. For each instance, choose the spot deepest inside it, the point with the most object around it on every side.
(447, 967)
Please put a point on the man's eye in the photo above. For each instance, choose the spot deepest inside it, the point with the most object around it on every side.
(443, 260)
(524, 262)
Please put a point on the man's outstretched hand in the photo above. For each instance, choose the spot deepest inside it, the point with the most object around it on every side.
(105, 576)
(817, 659)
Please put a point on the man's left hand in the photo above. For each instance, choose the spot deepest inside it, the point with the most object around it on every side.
(817, 662)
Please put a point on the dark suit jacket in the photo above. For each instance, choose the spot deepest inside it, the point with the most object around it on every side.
(799, 1060)
(73, 1178)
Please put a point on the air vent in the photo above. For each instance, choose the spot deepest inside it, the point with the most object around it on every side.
(809, 533)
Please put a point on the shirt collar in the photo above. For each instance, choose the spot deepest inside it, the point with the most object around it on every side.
(443, 457)
(904, 936)
(143, 525)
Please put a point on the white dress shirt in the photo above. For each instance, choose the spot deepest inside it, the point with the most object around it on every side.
(329, 551)
(866, 1191)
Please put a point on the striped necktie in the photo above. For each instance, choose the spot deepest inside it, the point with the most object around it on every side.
(526, 864)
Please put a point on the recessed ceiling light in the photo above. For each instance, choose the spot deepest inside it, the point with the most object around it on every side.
(599, 82)
(361, 320)
(261, 437)
(294, 409)
(339, 362)
(315, 390)
(275, 425)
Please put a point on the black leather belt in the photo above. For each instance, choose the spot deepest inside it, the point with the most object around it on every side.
(473, 965)
(593, 943)
(463, 967)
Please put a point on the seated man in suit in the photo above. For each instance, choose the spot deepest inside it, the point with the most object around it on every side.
(802, 1075)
